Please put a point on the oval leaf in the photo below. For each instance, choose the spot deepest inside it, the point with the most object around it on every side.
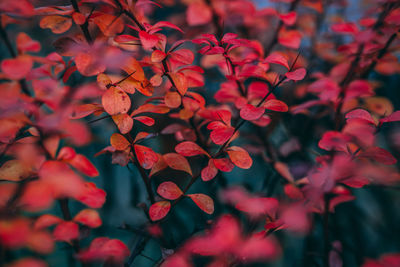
(204, 202)
(159, 210)
(169, 190)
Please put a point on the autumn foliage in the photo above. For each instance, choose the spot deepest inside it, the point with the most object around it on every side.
(222, 133)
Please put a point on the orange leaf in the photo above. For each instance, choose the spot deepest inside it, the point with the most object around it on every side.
(109, 24)
(169, 190)
(88, 64)
(84, 110)
(204, 202)
(124, 122)
(172, 99)
(14, 170)
(115, 101)
(239, 157)
(177, 162)
(159, 210)
(119, 142)
(180, 82)
(131, 65)
(145, 156)
(89, 218)
(57, 24)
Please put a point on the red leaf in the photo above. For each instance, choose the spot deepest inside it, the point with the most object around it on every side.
(92, 196)
(257, 206)
(119, 142)
(198, 13)
(276, 105)
(169, 190)
(332, 140)
(277, 58)
(189, 149)
(251, 113)
(46, 220)
(296, 75)
(167, 24)
(148, 40)
(288, 18)
(177, 162)
(220, 136)
(115, 101)
(361, 114)
(239, 157)
(89, 218)
(20, 8)
(17, 68)
(290, 38)
(102, 248)
(145, 156)
(159, 210)
(63, 181)
(209, 172)
(26, 44)
(223, 164)
(82, 164)
(345, 28)
(257, 248)
(66, 231)
(145, 120)
(395, 116)
(157, 56)
(182, 56)
(378, 154)
(204, 202)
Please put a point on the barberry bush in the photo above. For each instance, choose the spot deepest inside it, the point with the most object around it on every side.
(199, 133)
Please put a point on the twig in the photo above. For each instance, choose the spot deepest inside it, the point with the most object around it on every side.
(4, 36)
(274, 40)
(327, 244)
(84, 26)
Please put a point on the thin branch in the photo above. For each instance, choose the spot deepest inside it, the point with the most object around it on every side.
(327, 244)
(84, 26)
(6, 39)
(274, 40)
(381, 53)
